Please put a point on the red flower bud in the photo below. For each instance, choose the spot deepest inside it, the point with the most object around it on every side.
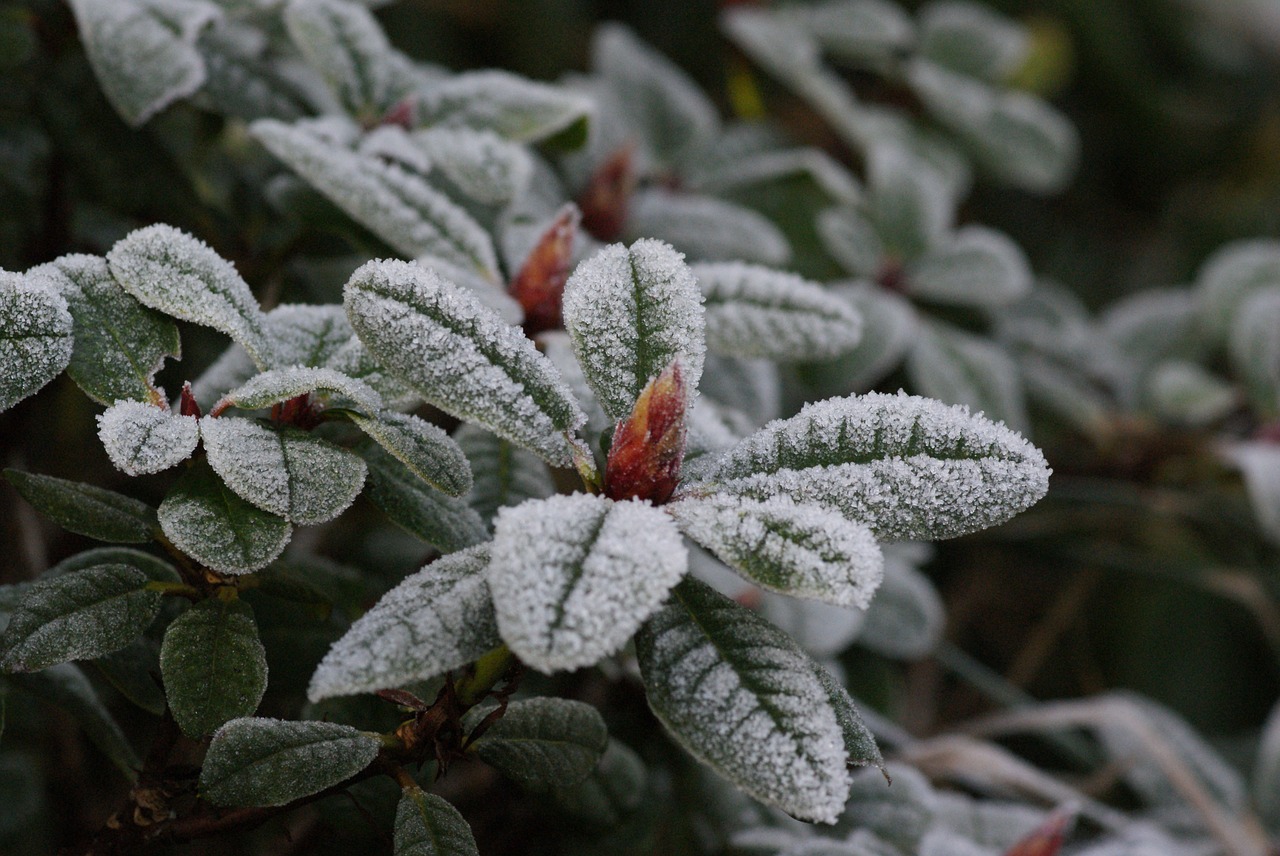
(605, 199)
(648, 446)
(539, 284)
(187, 405)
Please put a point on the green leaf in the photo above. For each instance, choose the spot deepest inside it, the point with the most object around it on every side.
(757, 312)
(206, 520)
(739, 695)
(35, 337)
(908, 467)
(270, 762)
(706, 228)
(511, 106)
(443, 521)
(132, 670)
(155, 568)
(573, 576)
(65, 686)
(345, 43)
(542, 743)
(911, 204)
(396, 205)
(611, 791)
(78, 616)
(304, 479)
(214, 666)
(630, 313)
(462, 357)
(1228, 278)
(888, 328)
(437, 619)
(975, 266)
(482, 165)
(672, 116)
(1186, 394)
(859, 32)
(848, 234)
(427, 825)
(425, 449)
(278, 385)
(504, 473)
(144, 51)
(245, 80)
(959, 368)
(180, 275)
(119, 343)
(142, 438)
(800, 550)
(85, 509)
(973, 40)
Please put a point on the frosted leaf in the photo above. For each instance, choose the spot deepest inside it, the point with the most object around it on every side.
(801, 550)
(1259, 463)
(489, 293)
(778, 43)
(668, 110)
(86, 509)
(484, 166)
(990, 823)
(427, 825)
(425, 449)
(713, 427)
(859, 32)
(35, 337)
(268, 762)
(888, 330)
(213, 664)
(143, 52)
(396, 205)
(740, 696)
(346, 45)
(461, 357)
(180, 275)
(1229, 277)
(1266, 772)
(959, 368)
(354, 360)
(276, 385)
(542, 743)
(304, 479)
(610, 793)
(119, 344)
(975, 266)
(574, 576)
(910, 203)
(906, 618)
(764, 168)
(901, 813)
(511, 106)
(445, 522)
(142, 438)
(1254, 348)
(245, 81)
(751, 388)
(206, 520)
(1152, 326)
(437, 619)
(1072, 398)
(67, 687)
(630, 313)
(504, 474)
(852, 240)
(152, 566)
(819, 628)
(972, 39)
(558, 348)
(77, 616)
(705, 228)
(393, 143)
(1187, 394)
(757, 312)
(906, 466)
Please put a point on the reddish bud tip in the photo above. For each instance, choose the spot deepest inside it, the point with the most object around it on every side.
(892, 275)
(187, 405)
(604, 201)
(1048, 839)
(648, 446)
(299, 411)
(539, 285)
(402, 113)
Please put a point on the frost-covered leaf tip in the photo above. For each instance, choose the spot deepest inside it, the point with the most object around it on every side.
(35, 337)
(142, 438)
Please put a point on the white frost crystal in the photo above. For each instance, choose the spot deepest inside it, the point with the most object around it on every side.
(35, 337)
(435, 620)
(802, 550)
(142, 438)
(278, 385)
(906, 466)
(630, 311)
(706, 228)
(574, 576)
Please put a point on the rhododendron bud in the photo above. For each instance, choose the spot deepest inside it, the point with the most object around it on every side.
(539, 285)
(648, 446)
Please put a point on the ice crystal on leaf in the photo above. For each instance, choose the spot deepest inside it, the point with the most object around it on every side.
(278, 385)
(542, 742)
(481, 164)
(443, 521)
(35, 337)
(461, 357)
(142, 438)
(427, 825)
(513, 107)
(908, 467)
(425, 449)
(438, 619)
(345, 43)
(802, 550)
(742, 697)
(757, 312)
(705, 228)
(180, 275)
(302, 478)
(574, 576)
(630, 312)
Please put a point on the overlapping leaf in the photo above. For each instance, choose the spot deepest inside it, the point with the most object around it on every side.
(427, 825)
(35, 337)
(86, 509)
(142, 438)
(425, 449)
(959, 368)
(443, 521)
(213, 664)
(346, 45)
(481, 164)
(975, 266)
(504, 473)
(543, 743)
(513, 107)
(706, 228)
(279, 385)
